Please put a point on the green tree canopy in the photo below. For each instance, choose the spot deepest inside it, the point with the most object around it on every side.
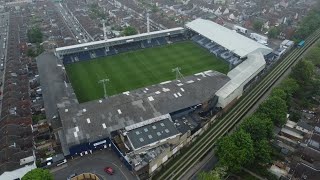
(257, 25)
(96, 11)
(35, 35)
(258, 128)
(217, 174)
(273, 32)
(38, 174)
(129, 31)
(314, 55)
(275, 108)
(279, 92)
(262, 151)
(236, 150)
(303, 72)
(290, 86)
(308, 25)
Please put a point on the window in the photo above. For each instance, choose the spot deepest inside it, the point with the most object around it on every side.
(137, 132)
(141, 139)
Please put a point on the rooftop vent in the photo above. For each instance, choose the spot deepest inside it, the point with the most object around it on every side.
(104, 126)
(150, 98)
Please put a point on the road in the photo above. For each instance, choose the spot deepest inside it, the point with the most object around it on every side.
(95, 163)
(4, 24)
(77, 30)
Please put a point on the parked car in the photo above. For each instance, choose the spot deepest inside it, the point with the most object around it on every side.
(109, 170)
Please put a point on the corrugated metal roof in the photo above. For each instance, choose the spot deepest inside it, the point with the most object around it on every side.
(242, 73)
(227, 38)
(83, 45)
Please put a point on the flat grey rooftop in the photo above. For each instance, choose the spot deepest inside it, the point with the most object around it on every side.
(94, 120)
(152, 133)
(52, 82)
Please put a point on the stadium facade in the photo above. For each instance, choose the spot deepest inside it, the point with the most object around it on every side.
(149, 125)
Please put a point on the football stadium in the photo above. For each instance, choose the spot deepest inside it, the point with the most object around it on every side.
(140, 68)
(147, 96)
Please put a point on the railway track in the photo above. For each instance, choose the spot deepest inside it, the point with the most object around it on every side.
(207, 142)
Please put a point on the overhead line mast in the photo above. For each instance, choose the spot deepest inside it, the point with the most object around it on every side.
(178, 73)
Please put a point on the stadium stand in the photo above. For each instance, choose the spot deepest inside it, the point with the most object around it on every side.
(73, 53)
(220, 41)
(100, 52)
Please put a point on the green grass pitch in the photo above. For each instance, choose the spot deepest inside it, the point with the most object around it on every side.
(137, 69)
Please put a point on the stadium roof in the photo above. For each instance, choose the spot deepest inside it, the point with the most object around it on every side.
(94, 120)
(84, 45)
(227, 38)
(152, 132)
(241, 74)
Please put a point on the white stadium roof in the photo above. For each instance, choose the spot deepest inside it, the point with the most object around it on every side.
(241, 75)
(83, 45)
(227, 38)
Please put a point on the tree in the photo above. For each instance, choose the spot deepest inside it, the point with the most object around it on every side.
(303, 72)
(35, 35)
(308, 25)
(314, 55)
(30, 53)
(97, 11)
(217, 174)
(290, 86)
(279, 92)
(236, 150)
(274, 108)
(258, 128)
(129, 31)
(257, 25)
(38, 174)
(262, 151)
(273, 32)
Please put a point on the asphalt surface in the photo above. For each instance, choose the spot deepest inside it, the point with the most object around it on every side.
(3, 49)
(81, 35)
(95, 163)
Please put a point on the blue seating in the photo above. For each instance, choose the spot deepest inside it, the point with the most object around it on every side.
(67, 59)
(162, 41)
(111, 52)
(100, 52)
(177, 38)
(83, 56)
(147, 44)
(196, 38)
